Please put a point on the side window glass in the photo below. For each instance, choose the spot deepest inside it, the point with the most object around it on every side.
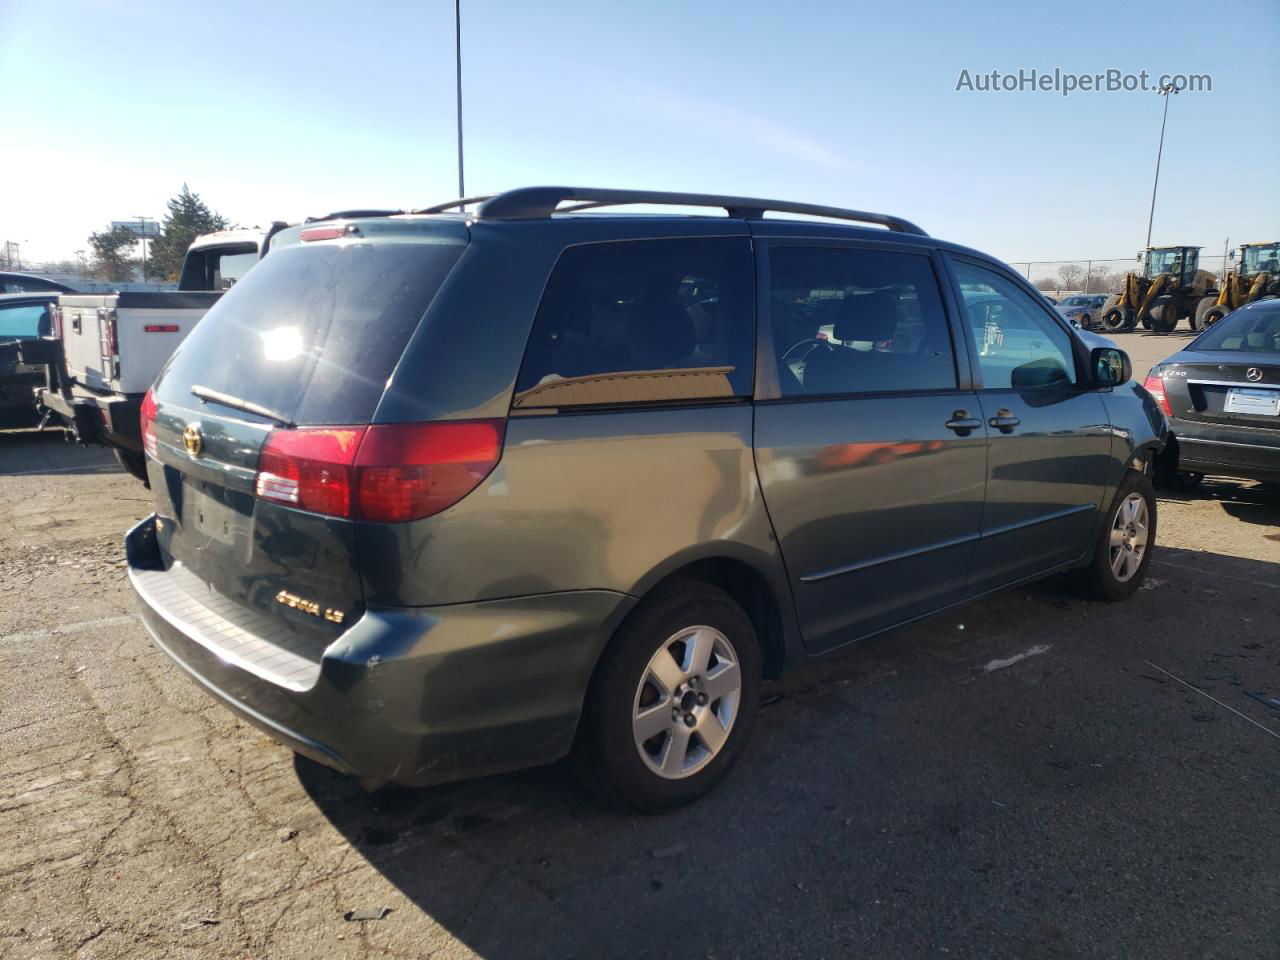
(643, 321)
(1019, 344)
(849, 321)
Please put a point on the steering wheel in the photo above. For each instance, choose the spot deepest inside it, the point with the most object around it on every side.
(811, 342)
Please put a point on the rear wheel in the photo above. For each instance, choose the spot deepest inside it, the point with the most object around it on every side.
(1212, 314)
(671, 704)
(1123, 551)
(134, 463)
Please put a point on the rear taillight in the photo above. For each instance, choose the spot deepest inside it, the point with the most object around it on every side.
(1155, 386)
(385, 473)
(55, 320)
(147, 420)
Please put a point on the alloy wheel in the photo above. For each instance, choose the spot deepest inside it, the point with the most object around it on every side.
(1129, 537)
(686, 702)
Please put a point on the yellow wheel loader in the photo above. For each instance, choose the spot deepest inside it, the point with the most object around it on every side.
(1256, 278)
(1169, 287)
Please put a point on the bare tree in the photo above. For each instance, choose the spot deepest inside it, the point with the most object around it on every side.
(1069, 276)
(1046, 283)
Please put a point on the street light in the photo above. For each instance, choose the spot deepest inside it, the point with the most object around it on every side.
(457, 38)
(1164, 91)
(142, 223)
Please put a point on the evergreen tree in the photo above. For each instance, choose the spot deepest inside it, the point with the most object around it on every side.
(188, 218)
(111, 260)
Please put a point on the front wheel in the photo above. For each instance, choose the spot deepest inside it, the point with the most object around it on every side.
(1123, 551)
(671, 704)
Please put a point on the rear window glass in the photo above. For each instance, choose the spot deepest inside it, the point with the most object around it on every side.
(314, 331)
(30, 320)
(643, 321)
(1252, 330)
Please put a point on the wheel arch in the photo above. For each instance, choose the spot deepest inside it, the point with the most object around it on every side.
(754, 579)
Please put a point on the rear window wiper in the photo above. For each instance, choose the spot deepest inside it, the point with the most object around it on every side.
(205, 395)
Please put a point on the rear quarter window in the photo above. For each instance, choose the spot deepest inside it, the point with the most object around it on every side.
(643, 321)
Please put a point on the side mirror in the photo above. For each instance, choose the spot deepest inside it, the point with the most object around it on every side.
(1111, 366)
(1232, 256)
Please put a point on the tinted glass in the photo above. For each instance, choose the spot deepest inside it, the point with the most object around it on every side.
(1019, 343)
(314, 331)
(643, 321)
(230, 267)
(26, 321)
(1254, 329)
(849, 321)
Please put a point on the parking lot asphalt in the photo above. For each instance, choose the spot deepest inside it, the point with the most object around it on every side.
(1035, 775)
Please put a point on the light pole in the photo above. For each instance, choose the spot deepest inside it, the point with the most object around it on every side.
(1164, 91)
(142, 223)
(457, 38)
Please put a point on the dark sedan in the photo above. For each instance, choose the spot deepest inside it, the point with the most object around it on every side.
(26, 283)
(1221, 396)
(23, 316)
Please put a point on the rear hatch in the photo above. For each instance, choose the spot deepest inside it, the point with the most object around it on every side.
(308, 338)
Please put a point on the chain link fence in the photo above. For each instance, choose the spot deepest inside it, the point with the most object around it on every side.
(1059, 278)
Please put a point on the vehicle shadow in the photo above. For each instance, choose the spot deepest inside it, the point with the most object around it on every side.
(1245, 500)
(31, 452)
(911, 790)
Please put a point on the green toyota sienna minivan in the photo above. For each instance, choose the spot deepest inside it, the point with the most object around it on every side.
(447, 492)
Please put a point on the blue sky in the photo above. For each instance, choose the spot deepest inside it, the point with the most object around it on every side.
(277, 110)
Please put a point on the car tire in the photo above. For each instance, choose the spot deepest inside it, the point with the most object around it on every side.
(133, 463)
(1116, 319)
(650, 679)
(1125, 542)
(1206, 304)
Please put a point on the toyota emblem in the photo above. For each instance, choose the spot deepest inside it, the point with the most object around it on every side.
(1254, 374)
(192, 439)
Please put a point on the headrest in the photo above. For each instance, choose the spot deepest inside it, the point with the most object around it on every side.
(869, 316)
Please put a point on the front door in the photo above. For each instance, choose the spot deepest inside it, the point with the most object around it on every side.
(1050, 438)
(871, 456)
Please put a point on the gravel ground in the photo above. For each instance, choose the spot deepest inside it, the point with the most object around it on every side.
(1032, 776)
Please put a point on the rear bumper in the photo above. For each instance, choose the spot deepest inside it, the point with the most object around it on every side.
(110, 419)
(1247, 453)
(412, 696)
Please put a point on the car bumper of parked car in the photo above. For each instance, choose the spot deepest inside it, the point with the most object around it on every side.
(110, 419)
(1249, 453)
(413, 695)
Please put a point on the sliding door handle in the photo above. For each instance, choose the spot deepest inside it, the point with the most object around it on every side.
(962, 423)
(1004, 420)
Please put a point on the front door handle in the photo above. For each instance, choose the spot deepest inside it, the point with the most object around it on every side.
(962, 423)
(1004, 420)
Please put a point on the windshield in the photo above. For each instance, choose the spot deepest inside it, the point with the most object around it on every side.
(1262, 259)
(1251, 329)
(1074, 302)
(1171, 261)
(314, 331)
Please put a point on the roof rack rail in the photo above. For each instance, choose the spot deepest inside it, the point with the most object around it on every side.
(459, 203)
(535, 203)
(352, 215)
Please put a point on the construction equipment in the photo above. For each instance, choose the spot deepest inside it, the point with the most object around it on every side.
(1257, 278)
(1169, 287)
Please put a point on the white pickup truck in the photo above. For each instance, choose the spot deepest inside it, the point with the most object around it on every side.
(107, 349)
